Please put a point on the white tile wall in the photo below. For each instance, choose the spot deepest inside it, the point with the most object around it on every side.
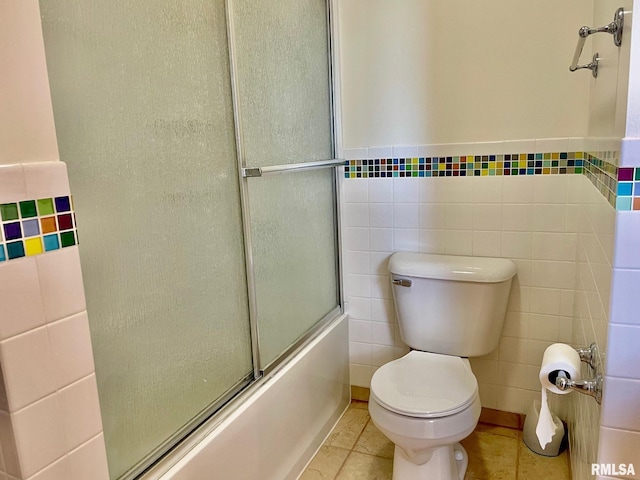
(620, 421)
(522, 218)
(593, 285)
(50, 424)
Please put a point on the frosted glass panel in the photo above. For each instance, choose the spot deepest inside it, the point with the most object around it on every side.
(282, 62)
(142, 103)
(294, 252)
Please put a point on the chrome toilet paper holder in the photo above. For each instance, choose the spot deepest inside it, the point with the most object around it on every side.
(592, 387)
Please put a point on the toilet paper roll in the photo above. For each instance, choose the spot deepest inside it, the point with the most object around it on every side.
(557, 357)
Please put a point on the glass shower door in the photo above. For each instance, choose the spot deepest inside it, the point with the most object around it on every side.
(281, 55)
(143, 111)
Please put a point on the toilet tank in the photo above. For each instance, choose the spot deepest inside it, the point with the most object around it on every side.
(450, 304)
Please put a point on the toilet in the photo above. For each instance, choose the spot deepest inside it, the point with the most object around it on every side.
(448, 308)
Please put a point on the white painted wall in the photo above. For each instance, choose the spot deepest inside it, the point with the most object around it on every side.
(27, 133)
(417, 72)
(608, 96)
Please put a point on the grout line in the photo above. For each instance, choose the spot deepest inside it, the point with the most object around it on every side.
(518, 451)
(352, 447)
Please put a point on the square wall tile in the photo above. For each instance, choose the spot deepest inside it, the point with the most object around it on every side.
(356, 190)
(550, 188)
(459, 242)
(354, 215)
(360, 353)
(432, 216)
(549, 218)
(37, 432)
(7, 440)
(432, 241)
(358, 285)
(518, 190)
(517, 217)
(381, 240)
(80, 410)
(516, 245)
(59, 470)
(27, 366)
(405, 240)
(12, 186)
(380, 190)
(381, 215)
(487, 216)
(70, 341)
(487, 189)
(405, 190)
(626, 251)
(621, 405)
(46, 179)
(405, 215)
(625, 291)
(359, 331)
(487, 244)
(356, 238)
(357, 262)
(61, 283)
(382, 310)
(22, 307)
(623, 355)
(618, 446)
(361, 375)
(45, 206)
(359, 308)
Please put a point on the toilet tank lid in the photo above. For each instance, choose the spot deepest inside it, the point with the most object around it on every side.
(451, 267)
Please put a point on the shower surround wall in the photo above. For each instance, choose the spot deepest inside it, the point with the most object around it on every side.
(50, 425)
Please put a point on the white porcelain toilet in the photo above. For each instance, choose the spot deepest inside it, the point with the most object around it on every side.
(448, 308)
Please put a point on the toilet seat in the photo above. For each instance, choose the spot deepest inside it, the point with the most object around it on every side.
(425, 385)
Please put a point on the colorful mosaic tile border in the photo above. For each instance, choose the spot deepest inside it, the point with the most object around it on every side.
(619, 186)
(628, 189)
(603, 173)
(469, 165)
(32, 227)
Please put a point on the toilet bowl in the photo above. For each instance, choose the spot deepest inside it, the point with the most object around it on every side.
(448, 308)
(425, 403)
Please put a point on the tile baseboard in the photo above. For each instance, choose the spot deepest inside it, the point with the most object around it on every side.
(502, 419)
(360, 393)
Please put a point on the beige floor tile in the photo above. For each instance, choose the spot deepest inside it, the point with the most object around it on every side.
(346, 432)
(326, 464)
(495, 453)
(491, 457)
(374, 442)
(533, 467)
(360, 466)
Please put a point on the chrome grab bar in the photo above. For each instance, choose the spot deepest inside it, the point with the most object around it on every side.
(260, 171)
(615, 28)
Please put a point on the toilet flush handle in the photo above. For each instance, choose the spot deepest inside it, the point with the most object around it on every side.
(403, 282)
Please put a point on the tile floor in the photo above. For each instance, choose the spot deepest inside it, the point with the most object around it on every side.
(357, 450)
